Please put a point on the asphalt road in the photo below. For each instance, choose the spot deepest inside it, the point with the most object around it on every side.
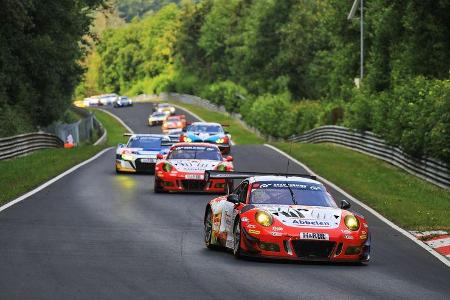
(98, 235)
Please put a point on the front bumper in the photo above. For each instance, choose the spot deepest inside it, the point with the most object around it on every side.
(155, 122)
(178, 183)
(135, 166)
(282, 246)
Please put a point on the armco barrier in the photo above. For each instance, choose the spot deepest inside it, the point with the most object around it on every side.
(26, 143)
(429, 169)
(426, 168)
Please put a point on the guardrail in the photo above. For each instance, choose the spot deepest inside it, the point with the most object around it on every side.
(26, 143)
(429, 169)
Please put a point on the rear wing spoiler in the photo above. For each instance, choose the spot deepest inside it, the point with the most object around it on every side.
(210, 174)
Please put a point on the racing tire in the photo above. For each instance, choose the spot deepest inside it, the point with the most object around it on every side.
(157, 187)
(208, 223)
(237, 251)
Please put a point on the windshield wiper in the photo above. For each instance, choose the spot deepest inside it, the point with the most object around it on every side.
(292, 194)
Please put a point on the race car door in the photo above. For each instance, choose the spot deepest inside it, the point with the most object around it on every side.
(230, 211)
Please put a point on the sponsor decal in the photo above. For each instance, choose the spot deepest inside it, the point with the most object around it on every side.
(254, 231)
(276, 233)
(314, 236)
(363, 236)
(346, 231)
(294, 185)
(348, 236)
(365, 225)
(311, 223)
(251, 226)
(275, 228)
(244, 219)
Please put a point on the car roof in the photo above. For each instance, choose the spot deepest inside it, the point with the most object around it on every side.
(195, 145)
(283, 179)
(206, 123)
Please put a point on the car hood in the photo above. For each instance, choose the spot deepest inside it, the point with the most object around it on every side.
(194, 165)
(204, 136)
(304, 216)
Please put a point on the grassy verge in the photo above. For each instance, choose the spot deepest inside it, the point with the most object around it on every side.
(404, 199)
(19, 175)
(239, 133)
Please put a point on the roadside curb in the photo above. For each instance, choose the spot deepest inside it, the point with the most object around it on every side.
(438, 240)
(444, 259)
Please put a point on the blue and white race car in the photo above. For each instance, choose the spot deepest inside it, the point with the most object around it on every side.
(139, 154)
(206, 132)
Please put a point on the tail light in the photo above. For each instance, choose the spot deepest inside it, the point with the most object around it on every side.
(179, 124)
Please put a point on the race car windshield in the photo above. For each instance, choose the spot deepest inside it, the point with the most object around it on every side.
(159, 115)
(206, 128)
(273, 192)
(207, 153)
(145, 142)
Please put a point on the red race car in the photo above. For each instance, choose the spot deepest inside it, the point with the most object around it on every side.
(174, 123)
(284, 216)
(184, 167)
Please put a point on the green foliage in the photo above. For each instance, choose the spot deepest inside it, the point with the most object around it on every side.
(225, 93)
(130, 9)
(40, 46)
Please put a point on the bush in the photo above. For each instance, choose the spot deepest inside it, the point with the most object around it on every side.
(306, 116)
(272, 115)
(14, 121)
(225, 93)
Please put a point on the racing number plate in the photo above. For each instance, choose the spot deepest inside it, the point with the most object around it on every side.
(194, 176)
(148, 160)
(314, 236)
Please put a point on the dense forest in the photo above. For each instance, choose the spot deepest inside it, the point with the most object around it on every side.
(41, 44)
(130, 9)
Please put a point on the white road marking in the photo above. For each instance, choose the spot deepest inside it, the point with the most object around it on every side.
(53, 180)
(430, 250)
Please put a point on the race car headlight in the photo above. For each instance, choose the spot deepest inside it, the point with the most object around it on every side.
(221, 168)
(127, 156)
(220, 141)
(167, 167)
(172, 109)
(263, 218)
(351, 222)
(185, 139)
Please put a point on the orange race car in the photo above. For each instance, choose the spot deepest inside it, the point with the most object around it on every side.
(174, 124)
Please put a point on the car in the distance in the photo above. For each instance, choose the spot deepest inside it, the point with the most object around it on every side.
(183, 169)
(174, 123)
(164, 107)
(123, 101)
(157, 118)
(284, 216)
(207, 132)
(139, 154)
(108, 99)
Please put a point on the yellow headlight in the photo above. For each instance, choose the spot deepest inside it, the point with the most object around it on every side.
(219, 141)
(127, 156)
(351, 222)
(264, 218)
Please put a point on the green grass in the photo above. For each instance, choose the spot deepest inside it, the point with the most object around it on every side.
(114, 128)
(21, 174)
(406, 200)
(239, 134)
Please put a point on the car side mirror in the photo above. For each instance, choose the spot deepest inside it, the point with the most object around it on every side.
(345, 204)
(184, 129)
(229, 158)
(233, 198)
(121, 145)
(227, 132)
(159, 156)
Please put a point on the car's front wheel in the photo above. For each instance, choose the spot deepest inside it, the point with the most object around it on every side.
(157, 186)
(208, 229)
(237, 239)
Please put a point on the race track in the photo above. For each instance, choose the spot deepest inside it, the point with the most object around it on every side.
(97, 235)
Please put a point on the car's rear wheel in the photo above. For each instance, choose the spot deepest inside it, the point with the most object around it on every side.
(157, 186)
(237, 239)
(208, 229)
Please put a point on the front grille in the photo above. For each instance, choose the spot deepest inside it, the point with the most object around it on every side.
(144, 167)
(314, 250)
(193, 185)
